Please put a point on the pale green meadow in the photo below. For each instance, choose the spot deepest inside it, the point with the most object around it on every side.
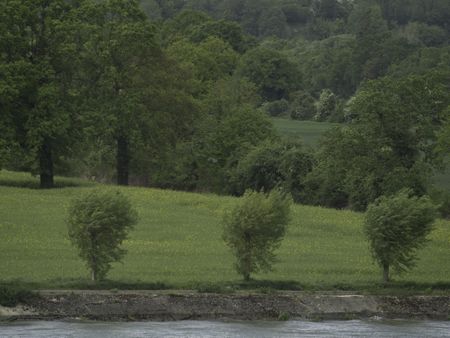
(177, 244)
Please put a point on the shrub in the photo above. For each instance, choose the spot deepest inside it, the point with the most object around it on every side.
(11, 296)
(276, 108)
(326, 106)
(301, 106)
(98, 224)
(271, 165)
(396, 227)
(442, 199)
(255, 228)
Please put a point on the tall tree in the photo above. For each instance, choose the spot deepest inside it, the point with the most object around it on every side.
(37, 57)
(390, 144)
(370, 29)
(135, 103)
(396, 227)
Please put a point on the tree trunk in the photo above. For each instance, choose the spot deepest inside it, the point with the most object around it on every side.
(123, 160)
(247, 257)
(386, 273)
(93, 275)
(46, 166)
(246, 276)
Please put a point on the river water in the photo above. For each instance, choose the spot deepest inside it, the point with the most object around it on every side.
(351, 328)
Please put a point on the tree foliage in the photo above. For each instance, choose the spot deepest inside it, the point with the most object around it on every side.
(390, 144)
(396, 227)
(132, 97)
(172, 93)
(254, 229)
(98, 224)
(326, 106)
(271, 71)
(37, 54)
(274, 165)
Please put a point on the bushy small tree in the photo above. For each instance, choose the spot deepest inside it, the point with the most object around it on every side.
(274, 164)
(254, 229)
(326, 106)
(301, 106)
(276, 108)
(396, 227)
(98, 224)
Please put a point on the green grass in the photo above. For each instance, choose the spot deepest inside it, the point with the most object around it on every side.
(177, 244)
(308, 131)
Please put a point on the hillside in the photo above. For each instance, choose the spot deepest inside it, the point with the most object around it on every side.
(177, 243)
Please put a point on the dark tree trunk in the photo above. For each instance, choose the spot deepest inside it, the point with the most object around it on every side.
(247, 258)
(123, 160)
(386, 273)
(46, 166)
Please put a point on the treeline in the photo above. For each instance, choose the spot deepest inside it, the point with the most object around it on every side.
(178, 94)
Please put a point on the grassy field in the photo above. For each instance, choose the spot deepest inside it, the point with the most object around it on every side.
(177, 244)
(308, 131)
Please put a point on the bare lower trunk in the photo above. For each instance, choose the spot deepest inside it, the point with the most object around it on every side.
(123, 161)
(247, 258)
(386, 273)
(46, 166)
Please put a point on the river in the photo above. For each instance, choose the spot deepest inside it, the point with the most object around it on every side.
(351, 328)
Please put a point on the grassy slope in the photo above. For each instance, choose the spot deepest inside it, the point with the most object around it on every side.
(178, 242)
(310, 133)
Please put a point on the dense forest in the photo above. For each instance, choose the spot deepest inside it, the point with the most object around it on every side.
(179, 94)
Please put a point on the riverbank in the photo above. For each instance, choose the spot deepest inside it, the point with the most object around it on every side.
(186, 305)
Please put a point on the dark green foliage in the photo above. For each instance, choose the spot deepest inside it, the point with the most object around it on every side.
(210, 60)
(98, 224)
(228, 31)
(371, 31)
(209, 160)
(37, 57)
(396, 228)
(296, 14)
(254, 229)
(234, 137)
(443, 145)
(94, 89)
(11, 296)
(389, 145)
(272, 22)
(424, 35)
(441, 198)
(135, 95)
(326, 106)
(272, 165)
(302, 106)
(328, 9)
(422, 62)
(183, 25)
(274, 74)
(229, 94)
(151, 8)
(276, 108)
(330, 64)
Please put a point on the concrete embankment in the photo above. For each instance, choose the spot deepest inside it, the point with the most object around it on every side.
(184, 305)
